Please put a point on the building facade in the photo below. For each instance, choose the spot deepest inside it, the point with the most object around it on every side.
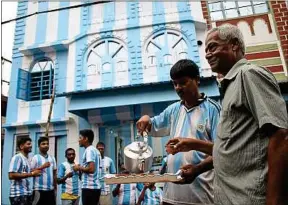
(109, 64)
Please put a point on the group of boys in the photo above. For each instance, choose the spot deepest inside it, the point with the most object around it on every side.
(84, 181)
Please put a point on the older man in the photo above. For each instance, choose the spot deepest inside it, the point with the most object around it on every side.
(250, 153)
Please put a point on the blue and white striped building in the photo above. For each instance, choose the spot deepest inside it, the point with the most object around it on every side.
(110, 64)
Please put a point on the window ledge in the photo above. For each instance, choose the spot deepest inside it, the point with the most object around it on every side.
(45, 47)
(37, 122)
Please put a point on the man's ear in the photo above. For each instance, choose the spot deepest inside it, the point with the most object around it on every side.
(235, 44)
(198, 80)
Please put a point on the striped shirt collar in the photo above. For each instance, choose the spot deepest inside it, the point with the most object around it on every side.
(200, 100)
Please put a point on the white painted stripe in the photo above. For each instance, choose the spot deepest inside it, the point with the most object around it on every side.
(171, 10)
(52, 23)
(71, 66)
(97, 12)
(121, 64)
(146, 17)
(196, 10)
(31, 23)
(72, 135)
(74, 20)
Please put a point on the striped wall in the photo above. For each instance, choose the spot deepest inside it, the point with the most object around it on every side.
(266, 55)
(79, 28)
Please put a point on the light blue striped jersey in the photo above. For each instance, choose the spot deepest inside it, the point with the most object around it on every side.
(107, 167)
(199, 122)
(45, 181)
(19, 164)
(91, 181)
(128, 193)
(153, 197)
(71, 185)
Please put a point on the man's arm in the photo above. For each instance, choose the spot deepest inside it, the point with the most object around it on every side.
(90, 169)
(44, 166)
(277, 189)
(142, 195)
(18, 176)
(178, 144)
(115, 191)
(190, 171)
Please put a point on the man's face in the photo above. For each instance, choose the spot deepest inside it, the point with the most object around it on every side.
(186, 88)
(101, 149)
(70, 155)
(44, 146)
(82, 140)
(26, 147)
(219, 53)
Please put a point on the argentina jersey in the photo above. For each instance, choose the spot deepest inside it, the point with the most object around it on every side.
(45, 181)
(199, 122)
(20, 164)
(128, 194)
(153, 197)
(72, 184)
(107, 167)
(91, 181)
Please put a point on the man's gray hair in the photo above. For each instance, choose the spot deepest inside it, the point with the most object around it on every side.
(228, 32)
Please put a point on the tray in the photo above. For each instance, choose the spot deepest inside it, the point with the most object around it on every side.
(141, 178)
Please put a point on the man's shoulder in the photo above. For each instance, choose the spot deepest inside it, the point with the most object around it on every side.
(253, 69)
(108, 159)
(16, 157)
(212, 104)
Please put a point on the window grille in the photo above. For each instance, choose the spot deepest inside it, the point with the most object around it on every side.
(41, 80)
(231, 9)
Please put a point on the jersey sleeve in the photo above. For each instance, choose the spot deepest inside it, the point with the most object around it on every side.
(15, 164)
(112, 167)
(61, 171)
(91, 156)
(161, 123)
(34, 162)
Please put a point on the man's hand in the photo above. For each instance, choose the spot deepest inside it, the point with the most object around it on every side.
(144, 124)
(179, 144)
(69, 175)
(36, 173)
(189, 173)
(76, 167)
(46, 165)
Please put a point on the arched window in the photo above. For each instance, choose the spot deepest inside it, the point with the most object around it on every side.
(107, 64)
(163, 50)
(41, 82)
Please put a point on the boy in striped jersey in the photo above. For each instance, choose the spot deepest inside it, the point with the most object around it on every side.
(150, 195)
(107, 167)
(69, 180)
(127, 193)
(91, 188)
(195, 116)
(19, 172)
(44, 186)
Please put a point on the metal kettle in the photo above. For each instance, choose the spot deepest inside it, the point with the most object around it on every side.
(138, 156)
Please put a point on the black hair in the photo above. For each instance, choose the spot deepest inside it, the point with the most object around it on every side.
(42, 139)
(69, 149)
(87, 134)
(100, 143)
(184, 68)
(22, 141)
